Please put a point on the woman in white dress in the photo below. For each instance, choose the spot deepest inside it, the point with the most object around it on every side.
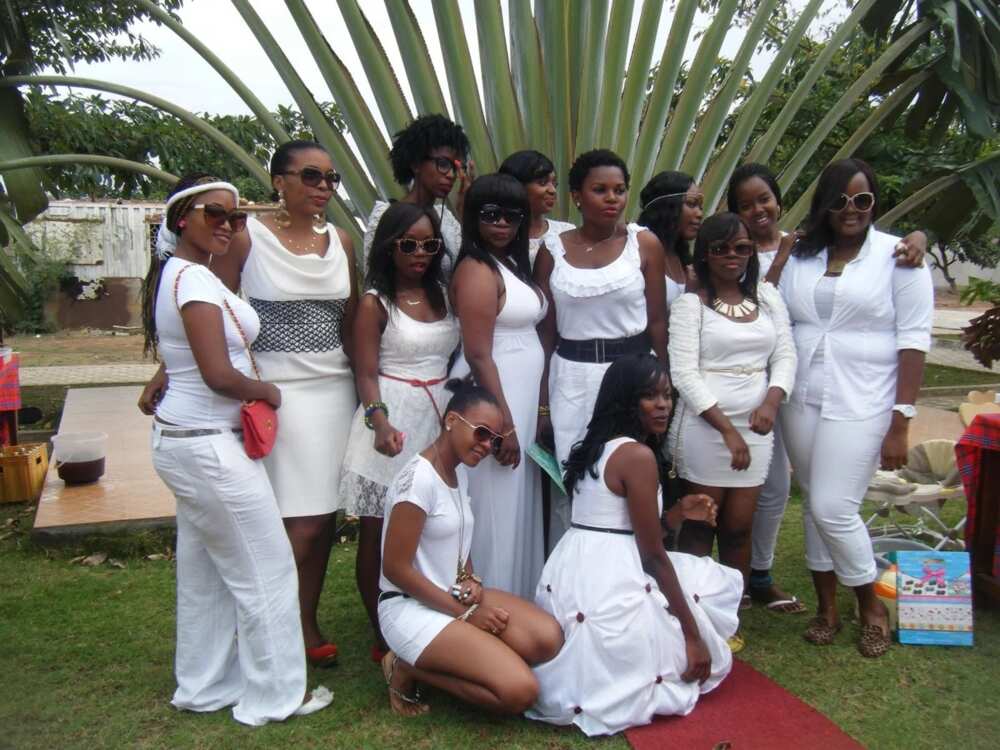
(537, 173)
(732, 359)
(862, 328)
(498, 309)
(239, 636)
(645, 630)
(605, 285)
(445, 628)
(672, 208)
(427, 157)
(404, 334)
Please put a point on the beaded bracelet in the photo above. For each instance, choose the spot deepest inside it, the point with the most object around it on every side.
(464, 617)
(370, 410)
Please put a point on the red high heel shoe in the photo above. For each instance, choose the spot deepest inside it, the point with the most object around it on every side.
(324, 655)
(378, 654)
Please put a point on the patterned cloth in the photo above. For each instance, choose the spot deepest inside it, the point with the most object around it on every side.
(982, 435)
(10, 384)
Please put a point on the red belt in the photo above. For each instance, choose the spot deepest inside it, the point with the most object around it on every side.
(425, 384)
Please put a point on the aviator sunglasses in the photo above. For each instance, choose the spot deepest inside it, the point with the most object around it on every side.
(217, 215)
(482, 434)
(859, 202)
(447, 166)
(741, 248)
(312, 177)
(491, 213)
(408, 246)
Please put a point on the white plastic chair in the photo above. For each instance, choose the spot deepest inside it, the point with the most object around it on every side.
(908, 501)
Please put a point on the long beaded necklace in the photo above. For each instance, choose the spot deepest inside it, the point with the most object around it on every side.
(456, 497)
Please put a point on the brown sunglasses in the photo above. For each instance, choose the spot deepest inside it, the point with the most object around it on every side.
(216, 216)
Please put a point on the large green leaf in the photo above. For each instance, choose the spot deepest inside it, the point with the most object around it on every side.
(529, 74)
(14, 287)
(595, 14)
(416, 59)
(554, 27)
(616, 48)
(24, 186)
(502, 112)
(635, 80)
(49, 160)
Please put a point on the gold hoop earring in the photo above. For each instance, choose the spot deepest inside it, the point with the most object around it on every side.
(282, 217)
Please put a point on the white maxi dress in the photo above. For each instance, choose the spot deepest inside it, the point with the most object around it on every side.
(624, 654)
(301, 301)
(507, 546)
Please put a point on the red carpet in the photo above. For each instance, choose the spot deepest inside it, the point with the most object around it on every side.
(748, 711)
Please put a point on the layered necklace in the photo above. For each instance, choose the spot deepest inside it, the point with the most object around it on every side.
(455, 496)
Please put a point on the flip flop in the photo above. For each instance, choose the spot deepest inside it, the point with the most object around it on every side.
(736, 643)
(786, 606)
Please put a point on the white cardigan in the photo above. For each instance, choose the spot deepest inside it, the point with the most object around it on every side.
(879, 308)
(685, 348)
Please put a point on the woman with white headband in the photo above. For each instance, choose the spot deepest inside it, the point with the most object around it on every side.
(239, 637)
(672, 208)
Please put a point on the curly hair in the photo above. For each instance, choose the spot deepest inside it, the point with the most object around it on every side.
(381, 275)
(832, 183)
(506, 192)
(662, 201)
(415, 142)
(745, 172)
(721, 227)
(616, 414)
(599, 157)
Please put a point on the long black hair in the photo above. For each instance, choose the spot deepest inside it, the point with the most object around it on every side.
(745, 172)
(506, 192)
(832, 184)
(381, 274)
(527, 166)
(662, 200)
(722, 227)
(151, 284)
(616, 414)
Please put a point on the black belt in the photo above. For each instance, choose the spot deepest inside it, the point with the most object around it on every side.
(385, 595)
(629, 532)
(602, 350)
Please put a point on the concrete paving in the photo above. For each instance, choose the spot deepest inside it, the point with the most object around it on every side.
(87, 374)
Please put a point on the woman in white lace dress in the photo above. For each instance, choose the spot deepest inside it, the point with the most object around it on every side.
(405, 334)
(732, 359)
(427, 157)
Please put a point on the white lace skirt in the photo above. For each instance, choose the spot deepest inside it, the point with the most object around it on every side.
(367, 473)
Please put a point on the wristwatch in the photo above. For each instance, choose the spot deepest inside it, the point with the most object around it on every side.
(909, 411)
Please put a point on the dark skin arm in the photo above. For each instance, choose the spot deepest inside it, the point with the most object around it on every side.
(475, 291)
(369, 323)
(402, 536)
(631, 472)
(909, 252)
(909, 376)
(346, 332)
(152, 394)
(203, 324)
(762, 418)
(548, 336)
(651, 253)
(229, 267)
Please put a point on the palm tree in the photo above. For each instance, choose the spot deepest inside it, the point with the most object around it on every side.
(564, 81)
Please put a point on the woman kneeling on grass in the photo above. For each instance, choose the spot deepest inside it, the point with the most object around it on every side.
(443, 627)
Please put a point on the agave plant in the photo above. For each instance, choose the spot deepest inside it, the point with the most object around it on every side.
(564, 81)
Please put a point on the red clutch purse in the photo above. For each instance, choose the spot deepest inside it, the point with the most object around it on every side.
(260, 427)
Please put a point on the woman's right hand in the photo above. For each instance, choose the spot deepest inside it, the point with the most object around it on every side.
(491, 619)
(510, 450)
(273, 395)
(544, 435)
(152, 394)
(388, 440)
(737, 449)
(699, 660)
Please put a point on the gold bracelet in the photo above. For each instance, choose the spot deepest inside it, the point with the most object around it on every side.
(544, 411)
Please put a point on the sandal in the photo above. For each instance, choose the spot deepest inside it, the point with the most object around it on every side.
(820, 632)
(388, 670)
(873, 641)
(745, 602)
(324, 655)
(736, 643)
(786, 606)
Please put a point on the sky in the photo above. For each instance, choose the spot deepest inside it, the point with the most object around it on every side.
(181, 76)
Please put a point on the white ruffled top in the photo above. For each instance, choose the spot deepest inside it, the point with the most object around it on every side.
(599, 303)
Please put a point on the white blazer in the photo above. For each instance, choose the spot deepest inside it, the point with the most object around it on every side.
(878, 310)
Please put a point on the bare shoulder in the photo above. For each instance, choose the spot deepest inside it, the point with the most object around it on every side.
(346, 241)
(632, 457)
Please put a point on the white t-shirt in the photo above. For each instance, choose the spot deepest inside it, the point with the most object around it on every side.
(188, 402)
(437, 551)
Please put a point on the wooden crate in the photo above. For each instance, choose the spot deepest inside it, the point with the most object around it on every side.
(22, 471)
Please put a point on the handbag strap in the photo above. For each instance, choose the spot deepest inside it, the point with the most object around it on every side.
(232, 316)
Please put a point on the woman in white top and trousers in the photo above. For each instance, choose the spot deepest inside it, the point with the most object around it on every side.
(862, 327)
(239, 636)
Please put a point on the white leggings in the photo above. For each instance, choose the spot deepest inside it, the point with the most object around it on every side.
(770, 506)
(239, 631)
(834, 462)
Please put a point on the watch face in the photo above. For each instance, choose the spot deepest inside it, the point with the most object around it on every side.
(906, 410)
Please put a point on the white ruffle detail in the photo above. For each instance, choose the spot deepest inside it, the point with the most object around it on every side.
(593, 282)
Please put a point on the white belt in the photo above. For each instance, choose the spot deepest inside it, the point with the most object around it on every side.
(739, 370)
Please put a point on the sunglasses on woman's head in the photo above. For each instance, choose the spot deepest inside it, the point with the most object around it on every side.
(740, 248)
(217, 215)
(408, 246)
(492, 213)
(482, 434)
(313, 177)
(858, 201)
(447, 166)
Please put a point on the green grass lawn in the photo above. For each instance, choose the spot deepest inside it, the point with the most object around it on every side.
(939, 375)
(87, 657)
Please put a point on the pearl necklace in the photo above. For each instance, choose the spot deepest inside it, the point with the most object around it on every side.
(740, 310)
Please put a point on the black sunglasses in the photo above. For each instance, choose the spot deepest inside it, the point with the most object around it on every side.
(313, 177)
(742, 249)
(491, 213)
(447, 166)
(408, 246)
(217, 215)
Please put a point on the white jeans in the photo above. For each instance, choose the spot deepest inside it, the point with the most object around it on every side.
(834, 461)
(239, 632)
(770, 506)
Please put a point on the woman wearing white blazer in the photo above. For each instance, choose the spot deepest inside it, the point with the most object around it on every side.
(862, 326)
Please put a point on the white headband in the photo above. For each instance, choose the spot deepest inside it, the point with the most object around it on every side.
(166, 240)
(661, 197)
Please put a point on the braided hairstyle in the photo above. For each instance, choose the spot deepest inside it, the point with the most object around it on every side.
(151, 284)
(616, 414)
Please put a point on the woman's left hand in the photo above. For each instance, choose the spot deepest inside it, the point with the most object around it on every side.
(510, 451)
(762, 418)
(465, 179)
(894, 448)
(910, 251)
